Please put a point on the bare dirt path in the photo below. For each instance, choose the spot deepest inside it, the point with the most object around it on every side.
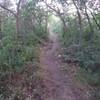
(59, 86)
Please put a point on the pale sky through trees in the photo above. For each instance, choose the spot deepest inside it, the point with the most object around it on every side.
(71, 10)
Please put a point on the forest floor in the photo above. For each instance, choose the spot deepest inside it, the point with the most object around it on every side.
(60, 84)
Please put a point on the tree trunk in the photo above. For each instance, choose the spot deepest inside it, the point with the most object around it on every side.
(80, 23)
(64, 27)
(91, 27)
(17, 25)
(0, 24)
(98, 25)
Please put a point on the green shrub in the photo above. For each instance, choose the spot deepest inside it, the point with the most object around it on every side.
(14, 55)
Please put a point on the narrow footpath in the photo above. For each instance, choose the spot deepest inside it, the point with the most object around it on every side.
(59, 86)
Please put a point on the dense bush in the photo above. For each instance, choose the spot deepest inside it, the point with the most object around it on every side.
(14, 55)
(86, 53)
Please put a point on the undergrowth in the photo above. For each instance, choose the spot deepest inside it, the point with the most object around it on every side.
(91, 79)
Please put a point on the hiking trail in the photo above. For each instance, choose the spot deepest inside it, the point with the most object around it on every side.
(59, 86)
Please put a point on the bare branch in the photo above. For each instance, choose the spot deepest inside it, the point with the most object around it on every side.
(12, 12)
(98, 25)
(18, 4)
(52, 8)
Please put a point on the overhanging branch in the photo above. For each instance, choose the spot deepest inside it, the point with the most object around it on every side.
(12, 12)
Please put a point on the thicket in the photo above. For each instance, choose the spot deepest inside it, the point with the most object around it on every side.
(21, 34)
(84, 50)
(17, 49)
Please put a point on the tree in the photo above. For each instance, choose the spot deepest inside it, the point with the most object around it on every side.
(16, 15)
(55, 8)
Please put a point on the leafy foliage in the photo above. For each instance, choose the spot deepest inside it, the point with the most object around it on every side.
(22, 31)
(86, 53)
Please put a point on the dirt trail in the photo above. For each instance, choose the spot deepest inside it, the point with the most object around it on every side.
(59, 87)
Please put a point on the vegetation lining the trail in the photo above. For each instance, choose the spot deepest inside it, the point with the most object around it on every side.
(85, 53)
(21, 34)
(24, 27)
